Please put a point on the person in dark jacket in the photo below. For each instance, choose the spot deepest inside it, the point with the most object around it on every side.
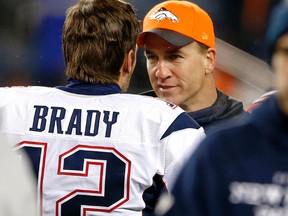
(242, 170)
(179, 44)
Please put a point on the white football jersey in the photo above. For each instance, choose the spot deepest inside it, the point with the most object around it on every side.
(95, 152)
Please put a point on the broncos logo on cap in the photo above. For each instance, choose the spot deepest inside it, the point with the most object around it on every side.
(163, 13)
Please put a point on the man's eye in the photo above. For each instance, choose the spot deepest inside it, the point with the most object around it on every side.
(151, 57)
(174, 57)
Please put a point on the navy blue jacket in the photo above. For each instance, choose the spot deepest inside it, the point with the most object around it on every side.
(224, 108)
(239, 171)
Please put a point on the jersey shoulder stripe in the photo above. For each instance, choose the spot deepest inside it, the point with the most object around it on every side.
(183, 121)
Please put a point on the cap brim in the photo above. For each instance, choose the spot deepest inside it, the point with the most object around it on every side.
(170, 36)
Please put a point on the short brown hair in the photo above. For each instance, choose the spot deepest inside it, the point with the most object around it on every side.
(97, 34)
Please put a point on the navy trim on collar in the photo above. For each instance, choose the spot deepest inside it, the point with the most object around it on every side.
(79, 87)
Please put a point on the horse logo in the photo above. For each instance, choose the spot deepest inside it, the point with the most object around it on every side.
(162, 14)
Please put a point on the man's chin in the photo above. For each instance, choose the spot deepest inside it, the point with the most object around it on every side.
(169, 97)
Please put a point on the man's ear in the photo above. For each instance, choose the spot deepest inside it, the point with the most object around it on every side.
(210, 60)
(127, 69)
(129, 62)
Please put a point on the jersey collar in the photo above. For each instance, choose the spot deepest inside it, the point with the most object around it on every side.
(79, 87)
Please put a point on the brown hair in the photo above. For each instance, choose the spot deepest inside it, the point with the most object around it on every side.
(97, 34)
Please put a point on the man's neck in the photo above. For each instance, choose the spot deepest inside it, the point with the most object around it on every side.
(204, 100)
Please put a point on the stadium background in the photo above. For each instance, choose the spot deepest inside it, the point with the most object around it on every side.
(30, 44)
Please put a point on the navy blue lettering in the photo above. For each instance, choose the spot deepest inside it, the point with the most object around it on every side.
(56, 119)
(39, 121)
(75, 122)
(89, 122)
(109, 124)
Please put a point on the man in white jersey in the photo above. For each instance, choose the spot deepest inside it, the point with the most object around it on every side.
(94, 148)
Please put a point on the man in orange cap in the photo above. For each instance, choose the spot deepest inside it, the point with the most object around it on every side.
(179, 46)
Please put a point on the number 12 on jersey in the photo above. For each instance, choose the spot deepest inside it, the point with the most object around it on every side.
(113, 181)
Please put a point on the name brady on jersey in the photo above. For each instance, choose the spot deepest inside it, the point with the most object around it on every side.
(57, 120)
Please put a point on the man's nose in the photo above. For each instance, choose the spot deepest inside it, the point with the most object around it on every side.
(162, 71)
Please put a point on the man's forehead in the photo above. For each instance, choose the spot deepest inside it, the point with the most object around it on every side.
(163, 49)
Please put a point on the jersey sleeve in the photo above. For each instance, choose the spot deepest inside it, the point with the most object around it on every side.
(180, 140)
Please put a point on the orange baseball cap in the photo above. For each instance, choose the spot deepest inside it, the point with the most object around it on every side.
(179, 23)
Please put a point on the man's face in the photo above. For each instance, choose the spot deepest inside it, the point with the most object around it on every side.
(280, 63)
(176, 74)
